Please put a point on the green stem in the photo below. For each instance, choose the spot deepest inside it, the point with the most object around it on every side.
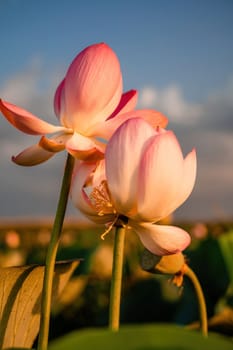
(201, 300)
(117, 268)
(51, 255)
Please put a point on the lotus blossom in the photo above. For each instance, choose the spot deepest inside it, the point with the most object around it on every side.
(143, 179)
(89, 105)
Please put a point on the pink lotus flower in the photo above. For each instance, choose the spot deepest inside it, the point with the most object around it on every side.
(144, 179)
(89, 105)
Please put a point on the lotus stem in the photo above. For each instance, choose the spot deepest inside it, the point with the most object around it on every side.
(117, 268)
(201, 300)
(51, 255)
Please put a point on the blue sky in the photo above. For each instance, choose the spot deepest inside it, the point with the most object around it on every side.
(189, 41)
(178, 54)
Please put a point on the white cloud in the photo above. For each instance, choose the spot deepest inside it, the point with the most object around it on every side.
(215, 112)
(171, 102)
(148, 97)
(22, 87)
(33, 89)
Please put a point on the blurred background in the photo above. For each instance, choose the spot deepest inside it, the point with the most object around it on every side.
(146, 297)
(179, 55)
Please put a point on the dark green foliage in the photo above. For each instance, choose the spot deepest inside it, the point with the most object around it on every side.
(146, 298)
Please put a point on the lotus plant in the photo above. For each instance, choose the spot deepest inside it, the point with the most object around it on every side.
(89, 104)
(143, 179)
(123, 168)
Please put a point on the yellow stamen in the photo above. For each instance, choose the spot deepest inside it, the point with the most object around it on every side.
(101, 199)
(109, 228)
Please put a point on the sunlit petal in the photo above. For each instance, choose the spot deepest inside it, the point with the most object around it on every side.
(25, 121)
(83, 221)
(107, 128)
(123, 153)
(160, 176)
(33, 155)
(161, 239)
(84, 148)
(93, 87)
(56, 143)
(187, 182)
(59, 100)
(127, 103)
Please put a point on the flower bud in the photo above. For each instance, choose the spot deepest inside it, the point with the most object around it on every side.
(167, 264)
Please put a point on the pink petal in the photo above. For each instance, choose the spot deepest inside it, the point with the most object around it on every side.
(99, 174)
(127, 103)
(81, 175)
(84, 148)
(82, 221)
(33, 155)
(25, 121)
(59, 99)
(160, 239)
(93, 87)
(188, 180)
(160, 176)
(107, 128)
(122, 156)
(56, 143)
(154, 118)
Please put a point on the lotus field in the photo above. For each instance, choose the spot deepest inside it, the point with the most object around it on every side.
(123, 272)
